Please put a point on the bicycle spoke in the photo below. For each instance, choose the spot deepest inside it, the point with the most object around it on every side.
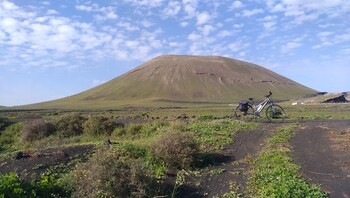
(275, 113)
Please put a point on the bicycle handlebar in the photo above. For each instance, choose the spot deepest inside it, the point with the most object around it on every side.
(270, 93)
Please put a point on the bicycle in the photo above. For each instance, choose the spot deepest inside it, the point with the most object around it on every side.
(247, 110)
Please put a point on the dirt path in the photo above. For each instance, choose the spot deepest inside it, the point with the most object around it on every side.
(233, 169)
(323, 151)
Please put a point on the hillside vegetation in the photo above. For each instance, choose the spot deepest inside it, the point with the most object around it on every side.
(175, 79)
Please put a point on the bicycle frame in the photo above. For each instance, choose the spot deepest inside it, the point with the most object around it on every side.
(258, 108)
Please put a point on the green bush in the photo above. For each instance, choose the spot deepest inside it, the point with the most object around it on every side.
(140, 130)
(69, 125)
(9, 137)
(12, 186)
(99, 125)
(36, 129)
(177, 149)
(110, 174)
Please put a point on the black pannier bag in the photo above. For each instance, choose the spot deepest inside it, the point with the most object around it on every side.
(243, 106)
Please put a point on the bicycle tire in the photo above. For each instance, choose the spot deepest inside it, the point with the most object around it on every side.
(244, 116)
(275, 113)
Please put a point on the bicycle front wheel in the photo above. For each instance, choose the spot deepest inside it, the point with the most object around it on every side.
(244, 115)
(275, 113)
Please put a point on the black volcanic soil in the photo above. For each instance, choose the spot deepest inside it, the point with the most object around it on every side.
(30, 164)
(323, 151)
(231, 166)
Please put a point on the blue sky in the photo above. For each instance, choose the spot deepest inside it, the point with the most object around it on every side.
(52, 49)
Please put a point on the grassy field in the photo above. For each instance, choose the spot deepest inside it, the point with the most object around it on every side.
(148, 143)
(192, 111)
(142, 149)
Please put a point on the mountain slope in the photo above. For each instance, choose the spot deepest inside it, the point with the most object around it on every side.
(183, 79)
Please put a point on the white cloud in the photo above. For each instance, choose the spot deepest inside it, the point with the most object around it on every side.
(236, 5)
(184, 24)
(172, 9)
(84, 8)
(194, 37)
(203, 18)
(224, 33)
(269, 25)
(147, 23)
(269, 22)
(146, 3)
(278, 8)
(249, 13)
(238, 46)
(121, 54)
(190, 7)
(128, 26)
(310, 10)
(51, 12)
(313, 4)
(103, 12)
(290, 46)
(207, 29)
(238, 26)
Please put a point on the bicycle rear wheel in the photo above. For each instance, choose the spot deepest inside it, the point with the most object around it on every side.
(244, 116)
(275, 113)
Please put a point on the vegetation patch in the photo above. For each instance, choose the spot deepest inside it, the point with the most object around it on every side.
(48, 186)
(110, 174)
(9, 138)
(137, 160)
(99, 125)
(4, 122)
(36, 129)
(215, 135)
(275, 174)
(69, 125)
(175, 148)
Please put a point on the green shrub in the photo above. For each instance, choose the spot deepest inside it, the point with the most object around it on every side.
(49, 186)
(99, 125)
(177, 149)
(69, 125)
(143, 130)
(9, 137)
(12, 186)
(36, 129)
(134, 129)
(110, 174)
